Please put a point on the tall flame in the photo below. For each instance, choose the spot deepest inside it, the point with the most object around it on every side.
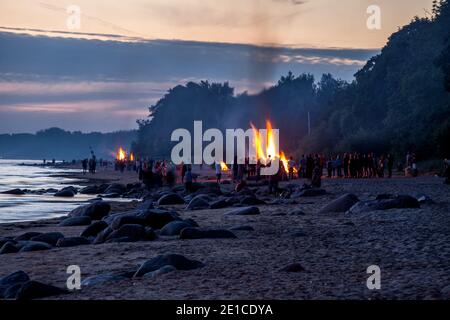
(131, 156)
(121, 154)
(223, 166)
(269, 152)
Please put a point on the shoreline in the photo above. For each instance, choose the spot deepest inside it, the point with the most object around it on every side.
(412, 247)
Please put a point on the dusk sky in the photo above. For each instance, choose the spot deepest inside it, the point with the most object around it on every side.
(125, 55)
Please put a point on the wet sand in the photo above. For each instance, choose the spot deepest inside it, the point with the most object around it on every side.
(411, 246)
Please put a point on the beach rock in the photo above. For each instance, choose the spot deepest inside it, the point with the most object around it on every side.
(295, 267)
(10, 284)
(251, 201)
(50, 238)
(67, 192)
(117, 188)
(91, 190)
(146, 205)
(75, 222)
(219, 204)
(133, 232)
(9, 247)
(198, 203)
(4, 240)
(96, 210)
(31, 246)
(247, 211)
(174, 228)
(150, 234)
(157, 218)
(399, 202)
(100, 279)
(297, 212)
(72, 242)
(35, 290)
(341, 204)
(103, 235)
(424, 199)
(195, 233)
(179, 262)
(94, 229)
(242, 228)
(14, 278)
(309, 193)
(11, 292)
(160, 271)
(27, 236)
(16, 192)
(126, 219)
(170, 199)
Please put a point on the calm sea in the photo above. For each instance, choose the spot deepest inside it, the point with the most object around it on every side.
(29, 207)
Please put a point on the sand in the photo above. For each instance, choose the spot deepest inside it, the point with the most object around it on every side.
(411, 246)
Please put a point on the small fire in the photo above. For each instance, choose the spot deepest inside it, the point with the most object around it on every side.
(223, 166)
(121, 154)
(131, 156)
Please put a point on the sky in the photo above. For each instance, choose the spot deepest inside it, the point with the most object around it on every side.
(102, 71)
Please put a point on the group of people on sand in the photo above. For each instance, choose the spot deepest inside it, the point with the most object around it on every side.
(89, 164)
(156, 173)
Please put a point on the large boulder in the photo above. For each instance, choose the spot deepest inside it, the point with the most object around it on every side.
(251, 201)
(94, 229)
(10, 247)
(50, 238)
(27, 236)
(179, 262)
(199, 202)
(247, 211)
(30, 246)
(96, 211)
(170, 199)
(399, 202)
(4, 240)
(72, 242)
(116, 188)
(16, 192)
(103, 235)
(101, 279)
(196, 233)
(309, 193)
(157, 218)
(126, 219)
(219, 204)
(174, 228)
(341, 204)
(160, 271)
(67, 192)
(91, 190)
(35, 290)
(127, 233)
(12, 280)
(75, 221)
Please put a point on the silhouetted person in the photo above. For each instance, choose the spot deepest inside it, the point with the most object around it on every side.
(390, 164)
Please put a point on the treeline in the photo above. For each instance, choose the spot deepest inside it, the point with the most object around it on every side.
(399, 101)
(63, 145)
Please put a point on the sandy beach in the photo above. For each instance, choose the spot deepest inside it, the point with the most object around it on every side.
(410, 245)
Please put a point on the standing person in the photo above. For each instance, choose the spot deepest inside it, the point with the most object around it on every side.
(390, 164)
(218, 172)
(84, 164)
(316, 181)
(302, 171)
(339, 166)
(330, 167)
(346, 163)
(235, 169)
(188, 180)
(183, 171)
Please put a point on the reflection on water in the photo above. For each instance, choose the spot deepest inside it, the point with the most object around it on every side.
(31, 207)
